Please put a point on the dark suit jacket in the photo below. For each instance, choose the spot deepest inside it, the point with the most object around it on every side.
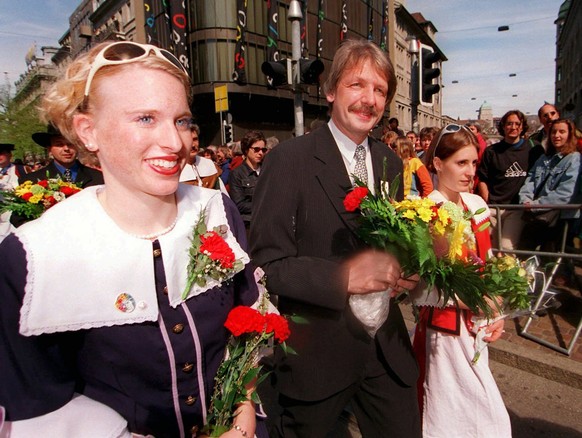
(86, 176)
(300, 233)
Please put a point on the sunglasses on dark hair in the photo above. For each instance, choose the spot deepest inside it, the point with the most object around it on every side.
(257, 149)
(125, 52)
(449, 129)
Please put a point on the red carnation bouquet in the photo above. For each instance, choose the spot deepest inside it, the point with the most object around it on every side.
(31, 199)
(253, 331)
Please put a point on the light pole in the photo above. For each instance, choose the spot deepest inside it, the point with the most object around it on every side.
(414, 82)
(294, 16)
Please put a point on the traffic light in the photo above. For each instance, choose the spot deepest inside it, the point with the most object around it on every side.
(228, 134)
(427, 73)
(310, 70)
(278, 72)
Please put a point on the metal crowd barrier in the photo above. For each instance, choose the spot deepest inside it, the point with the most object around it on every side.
(546, 293)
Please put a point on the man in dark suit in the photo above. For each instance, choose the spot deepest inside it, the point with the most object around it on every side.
(64, 163)
(307, 244)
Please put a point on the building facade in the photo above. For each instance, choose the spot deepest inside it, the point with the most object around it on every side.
(569, 61)
(226, 41)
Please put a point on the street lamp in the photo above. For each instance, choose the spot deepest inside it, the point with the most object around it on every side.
(294, 15)
(413, 49)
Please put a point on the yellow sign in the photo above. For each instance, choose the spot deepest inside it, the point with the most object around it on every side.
(221, 98)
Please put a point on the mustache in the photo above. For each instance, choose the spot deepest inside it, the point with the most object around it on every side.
(364, 109)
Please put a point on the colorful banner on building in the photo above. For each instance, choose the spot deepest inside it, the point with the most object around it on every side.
(272, 34)
(240, 74)
(370, 12)
(344, 20)
(320, 18)
(167, 26)
(384, 31)
(304, 48)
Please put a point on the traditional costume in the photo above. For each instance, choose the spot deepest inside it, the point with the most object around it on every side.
(95, 337)
(458, 398)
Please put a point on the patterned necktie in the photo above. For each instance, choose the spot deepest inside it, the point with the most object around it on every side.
(360, 170)
(68, 176)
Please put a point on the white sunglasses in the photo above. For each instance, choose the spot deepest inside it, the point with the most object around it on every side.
(125, 52)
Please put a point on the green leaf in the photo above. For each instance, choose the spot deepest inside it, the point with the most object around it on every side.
(250, 376)
(298, 319)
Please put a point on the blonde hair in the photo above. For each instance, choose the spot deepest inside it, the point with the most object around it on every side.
(404, 149)
(66, 97)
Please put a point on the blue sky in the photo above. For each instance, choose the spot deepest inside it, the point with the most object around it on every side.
(25, 22)
(481, 59)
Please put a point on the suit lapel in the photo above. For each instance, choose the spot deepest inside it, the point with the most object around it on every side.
(330, 171)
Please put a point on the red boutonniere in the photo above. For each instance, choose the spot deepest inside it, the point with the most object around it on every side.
(353, 199)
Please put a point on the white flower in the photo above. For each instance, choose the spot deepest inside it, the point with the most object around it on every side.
(59, 196)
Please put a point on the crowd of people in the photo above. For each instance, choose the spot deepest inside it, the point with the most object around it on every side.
(122, 343)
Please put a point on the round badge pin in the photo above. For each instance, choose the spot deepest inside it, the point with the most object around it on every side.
(125, 303)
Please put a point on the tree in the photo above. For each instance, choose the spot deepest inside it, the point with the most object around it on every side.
(18, 126)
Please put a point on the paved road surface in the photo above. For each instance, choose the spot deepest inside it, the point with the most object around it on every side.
(539, 407)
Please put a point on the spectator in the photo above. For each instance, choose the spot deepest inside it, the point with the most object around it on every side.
(389, 137)
(223, 157)
(553, 180)
(476, 130)
(426, 135)
(64, 164)
(417, 180)
(272, 142)
(502, 172)
(243, 179)
(393, 126)
(199, 171)
(546, 115)
(237, 155)
(9, 174)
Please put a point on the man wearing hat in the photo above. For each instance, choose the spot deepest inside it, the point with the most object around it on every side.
(64, 163)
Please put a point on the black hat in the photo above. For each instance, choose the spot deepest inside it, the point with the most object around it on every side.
(6, 147)
(44, 138)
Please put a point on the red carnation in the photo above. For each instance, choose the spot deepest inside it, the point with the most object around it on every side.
(43, 183)
(49, 201)
(354, 198)
(68, 191)
(243, 319)
(278, 325)
(217, 249)
(26, 196)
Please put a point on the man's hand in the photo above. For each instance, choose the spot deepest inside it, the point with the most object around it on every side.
(375, 271)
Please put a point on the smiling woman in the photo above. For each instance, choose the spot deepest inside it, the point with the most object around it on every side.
(126, 248)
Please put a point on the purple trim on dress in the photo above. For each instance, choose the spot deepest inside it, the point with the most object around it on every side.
(199, 372)
(166, 339)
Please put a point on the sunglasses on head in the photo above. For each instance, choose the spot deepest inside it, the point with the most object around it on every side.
(449, 129)
(257, 149)
(125, 52)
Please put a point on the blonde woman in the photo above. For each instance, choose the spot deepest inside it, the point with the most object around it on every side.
(108, 341)
(417, 180)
